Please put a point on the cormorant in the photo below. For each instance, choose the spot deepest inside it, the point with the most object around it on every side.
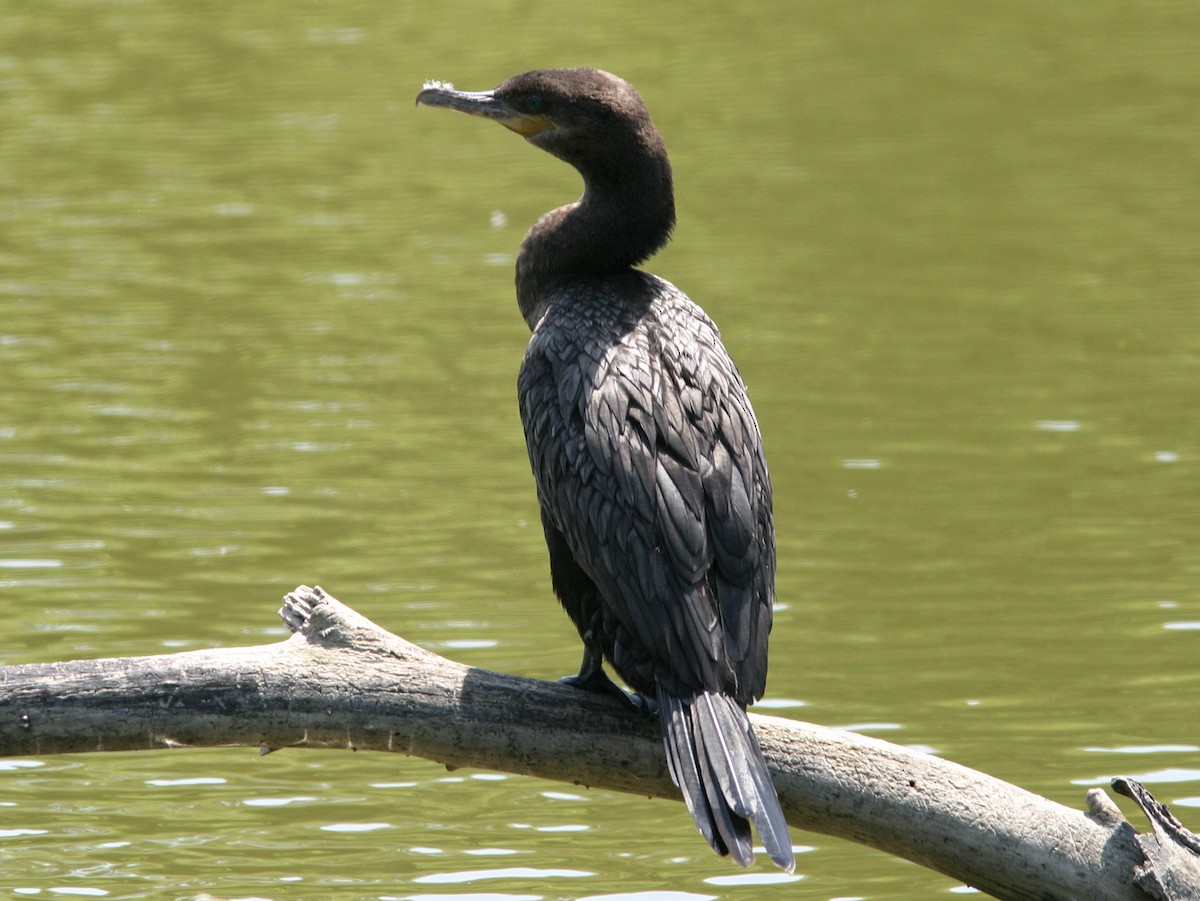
(649, 465)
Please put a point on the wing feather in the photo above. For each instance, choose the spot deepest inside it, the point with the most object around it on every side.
(648, 459)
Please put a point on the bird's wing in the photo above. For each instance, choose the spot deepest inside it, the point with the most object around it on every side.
(648, 459)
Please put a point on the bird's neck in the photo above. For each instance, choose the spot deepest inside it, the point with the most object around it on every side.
(621, 220)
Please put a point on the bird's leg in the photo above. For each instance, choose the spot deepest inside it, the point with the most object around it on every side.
(591, 677)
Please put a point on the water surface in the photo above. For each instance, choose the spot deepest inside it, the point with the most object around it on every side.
(257, 329)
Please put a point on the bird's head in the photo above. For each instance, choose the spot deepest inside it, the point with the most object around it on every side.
(579, 115)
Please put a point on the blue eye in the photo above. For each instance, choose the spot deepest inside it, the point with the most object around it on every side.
(532, 104)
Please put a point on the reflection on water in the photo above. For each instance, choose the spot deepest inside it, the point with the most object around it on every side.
(257, 329)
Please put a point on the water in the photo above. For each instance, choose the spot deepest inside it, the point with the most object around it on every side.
(257, 330)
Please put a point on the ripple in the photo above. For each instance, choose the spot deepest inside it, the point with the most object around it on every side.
(355, 827)
(20, 764)
(1155, 777)
(277, 802)
(1146, 749)
(505, 873)
(753, 879)
(871, 727)
(924, 749)
(197, 780)
(861, 464)
(779, 703)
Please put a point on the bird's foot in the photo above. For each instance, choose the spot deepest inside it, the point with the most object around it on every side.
(594, 680)
(597, 681)
(645, 705)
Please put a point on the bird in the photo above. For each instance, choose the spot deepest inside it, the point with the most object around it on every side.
(651, 476)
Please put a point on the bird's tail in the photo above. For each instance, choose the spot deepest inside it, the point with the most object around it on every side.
(715, 760)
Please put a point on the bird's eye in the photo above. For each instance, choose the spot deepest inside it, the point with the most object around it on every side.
(532, 104)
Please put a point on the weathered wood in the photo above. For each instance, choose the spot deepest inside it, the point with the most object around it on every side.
(1172, 868)
(342, 681)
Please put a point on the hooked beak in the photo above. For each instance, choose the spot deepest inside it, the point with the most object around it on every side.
(485, 104)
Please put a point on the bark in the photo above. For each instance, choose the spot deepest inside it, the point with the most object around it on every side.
(342, 681)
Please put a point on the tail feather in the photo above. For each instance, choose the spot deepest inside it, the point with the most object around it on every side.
(772, 824)
(717, 827)
(715, 760)
(721, 739)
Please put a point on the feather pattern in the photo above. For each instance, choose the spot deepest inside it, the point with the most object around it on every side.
(652, 480)
(650, 470)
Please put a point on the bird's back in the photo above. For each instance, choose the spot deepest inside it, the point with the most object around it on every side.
(649, 461)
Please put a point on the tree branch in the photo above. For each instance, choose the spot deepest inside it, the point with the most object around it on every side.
(342, 681)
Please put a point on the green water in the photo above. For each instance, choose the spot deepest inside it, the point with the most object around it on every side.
(257, 329)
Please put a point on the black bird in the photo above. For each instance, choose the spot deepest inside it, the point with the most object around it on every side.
(650, 470)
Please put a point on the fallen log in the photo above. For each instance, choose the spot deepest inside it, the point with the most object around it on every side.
(341, 681)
